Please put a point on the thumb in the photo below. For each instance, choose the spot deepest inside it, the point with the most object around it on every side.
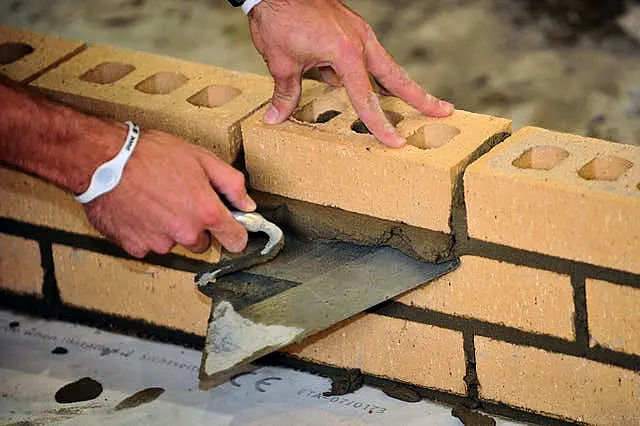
(286, 96)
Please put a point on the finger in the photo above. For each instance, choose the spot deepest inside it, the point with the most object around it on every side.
(286, 94)
(396, 80)
(329, 76)
(365, 102)
(218, 220)
(162, 244)
(227, 181)
(200, 244)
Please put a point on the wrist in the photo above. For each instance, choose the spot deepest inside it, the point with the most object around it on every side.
(94, 145)
(81, 144)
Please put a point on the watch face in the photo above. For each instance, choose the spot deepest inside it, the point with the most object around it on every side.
(236, 3)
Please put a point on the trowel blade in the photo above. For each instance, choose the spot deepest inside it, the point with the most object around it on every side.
(309, 287)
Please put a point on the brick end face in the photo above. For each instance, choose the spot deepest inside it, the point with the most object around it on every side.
(560, 195)
(557, 385)
(392, 348)
(130, 289)
(614, 316)
(20, 268)
(532, 300)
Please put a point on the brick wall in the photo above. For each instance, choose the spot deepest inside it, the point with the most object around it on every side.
(541, 319)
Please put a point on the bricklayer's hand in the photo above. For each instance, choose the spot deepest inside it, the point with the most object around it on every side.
(294, 36)
(168, 195)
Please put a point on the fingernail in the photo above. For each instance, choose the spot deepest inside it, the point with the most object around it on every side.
(447, 106)
(272, 115)
(250, 204)
(397, 141)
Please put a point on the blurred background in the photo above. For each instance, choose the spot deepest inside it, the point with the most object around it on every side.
(566, 65)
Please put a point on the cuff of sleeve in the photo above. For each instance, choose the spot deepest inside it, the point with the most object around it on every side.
(248, 5)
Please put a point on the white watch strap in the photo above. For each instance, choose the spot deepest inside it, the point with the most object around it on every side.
(108, 175)
(248, 5)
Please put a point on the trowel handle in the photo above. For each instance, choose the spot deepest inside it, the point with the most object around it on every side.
(255, 222)
(252, 222)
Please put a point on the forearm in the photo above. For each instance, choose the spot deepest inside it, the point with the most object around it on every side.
(51, 141)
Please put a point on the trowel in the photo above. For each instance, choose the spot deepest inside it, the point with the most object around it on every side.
(277, 294)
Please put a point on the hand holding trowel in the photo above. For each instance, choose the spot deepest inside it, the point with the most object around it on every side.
(262, 303)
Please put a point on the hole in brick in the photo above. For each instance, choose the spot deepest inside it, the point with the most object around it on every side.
(394, 118)
(433, 136)
(541, 158)
(214, 96)
(107, 72)
(321, 111)
(11, 52)
(607, 167)
(161, 83)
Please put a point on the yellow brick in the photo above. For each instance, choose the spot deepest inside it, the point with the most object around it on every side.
(542, 191)
(330, 164)
(203, 104)
(614, 316)
(557, 385)
(31, 200)
(516, 296)
(20, 270)
(24, 54)
(401, 350)
(130, 289)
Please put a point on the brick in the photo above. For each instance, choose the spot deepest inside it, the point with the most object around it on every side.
(558, 385)
(561, 195)
(530, 299)
(202, 103)
(26, 54)
(20, 270)
(32, 200)
(330, 164)
(130, 289)
(613, 313)
(397, 349)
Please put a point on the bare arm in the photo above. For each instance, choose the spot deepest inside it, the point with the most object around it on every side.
(45, 139)
(168, 192)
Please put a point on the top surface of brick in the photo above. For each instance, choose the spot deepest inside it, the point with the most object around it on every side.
(23, 54)
(559, 194)
(325, 155)
(202, 103)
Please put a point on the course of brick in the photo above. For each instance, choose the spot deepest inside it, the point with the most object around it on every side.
(160, 92)
(24, 55)
(539, 322)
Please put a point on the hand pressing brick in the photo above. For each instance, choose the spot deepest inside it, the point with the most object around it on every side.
(560, 195)
(326, 156)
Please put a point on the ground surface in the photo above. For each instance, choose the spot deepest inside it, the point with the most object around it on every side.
(67, 374)
(573, 68)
